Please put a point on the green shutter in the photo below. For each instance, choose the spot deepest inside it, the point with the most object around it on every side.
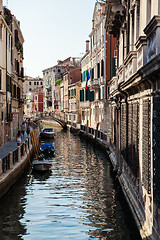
(102, 92)
(83, 95)
(88, 94)
(113, 67)
(80, 95)
(99, 94)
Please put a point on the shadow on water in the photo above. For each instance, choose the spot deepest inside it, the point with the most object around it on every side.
(11, 211)
(122, 212)
(78, 199)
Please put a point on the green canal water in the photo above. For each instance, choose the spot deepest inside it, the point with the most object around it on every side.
(78, 199)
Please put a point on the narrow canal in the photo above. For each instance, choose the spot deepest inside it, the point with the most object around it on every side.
(77, 200)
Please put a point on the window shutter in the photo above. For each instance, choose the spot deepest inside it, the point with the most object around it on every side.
(113, 67)
(99, 94)
(98, 70)
(1, 31)
(16, 36)
(0, 79)
(102, 67)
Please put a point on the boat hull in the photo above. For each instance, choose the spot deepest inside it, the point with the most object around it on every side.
(47, 153)
(47, 135)
(41, 166)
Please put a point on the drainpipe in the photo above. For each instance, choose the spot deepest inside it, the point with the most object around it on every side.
(6, 91)
(105, 77)
(119, 156)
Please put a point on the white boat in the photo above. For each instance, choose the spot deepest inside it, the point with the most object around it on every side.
(47, 133)
(41, 165)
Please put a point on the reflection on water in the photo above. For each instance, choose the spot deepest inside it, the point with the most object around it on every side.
(76, 200)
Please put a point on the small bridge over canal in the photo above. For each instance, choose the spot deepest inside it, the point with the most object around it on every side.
(54, 118)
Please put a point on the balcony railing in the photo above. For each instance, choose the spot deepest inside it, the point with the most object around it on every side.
(94, 83)
(153, 38)
(1, 98)
(85, 104)
(130, 64)
(113, 85)
(141, 46)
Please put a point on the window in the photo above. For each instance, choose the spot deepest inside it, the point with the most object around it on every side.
(41, 83)
(37, 83)
(82, 95)
(99, 94)
(35, 97)
(16, 36)
(59, 70)
(102, 92)
(83, 115)
(0, 31)
(98, 70)
(30, 83)
(30, 89)
(0, 78)
(148, 10)
(34, 83)
(102, 67)
(71, 93)
(92, 77)
(14, 91)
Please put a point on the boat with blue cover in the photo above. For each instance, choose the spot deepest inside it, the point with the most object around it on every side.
(47, 149)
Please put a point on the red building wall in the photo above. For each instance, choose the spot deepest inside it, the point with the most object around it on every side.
(40, 102)
(110, 53)
(74, 75)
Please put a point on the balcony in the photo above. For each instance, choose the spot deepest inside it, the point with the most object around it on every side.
(152, 32)
(121, 74)
(130, 65)
(85, 104)
(113, 86)
(141, 46)
(94, 83)
(115, 16)
(1, 97)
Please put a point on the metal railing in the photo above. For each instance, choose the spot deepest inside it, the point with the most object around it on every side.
(5, 163)
(15, 156)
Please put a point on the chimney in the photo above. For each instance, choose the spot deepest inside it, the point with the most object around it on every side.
(87, 45)
(93, 24)
(73, 60)
(1, 5)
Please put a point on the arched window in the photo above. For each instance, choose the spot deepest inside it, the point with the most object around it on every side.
(148, 11)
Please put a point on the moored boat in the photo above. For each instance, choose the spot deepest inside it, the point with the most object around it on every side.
(47, 133)
(41, 165)
(47, 149)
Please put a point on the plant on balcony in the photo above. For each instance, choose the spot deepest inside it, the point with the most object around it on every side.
(58, 82)
(19, 46)
(7, 16)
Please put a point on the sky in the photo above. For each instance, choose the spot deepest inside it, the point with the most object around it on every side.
(52, 29)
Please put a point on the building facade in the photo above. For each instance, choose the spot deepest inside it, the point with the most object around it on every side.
(17, 76)
(50, 76)
(97, 66)
(134, 97)
(74, 113)
(30, 88)
(11, 74)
